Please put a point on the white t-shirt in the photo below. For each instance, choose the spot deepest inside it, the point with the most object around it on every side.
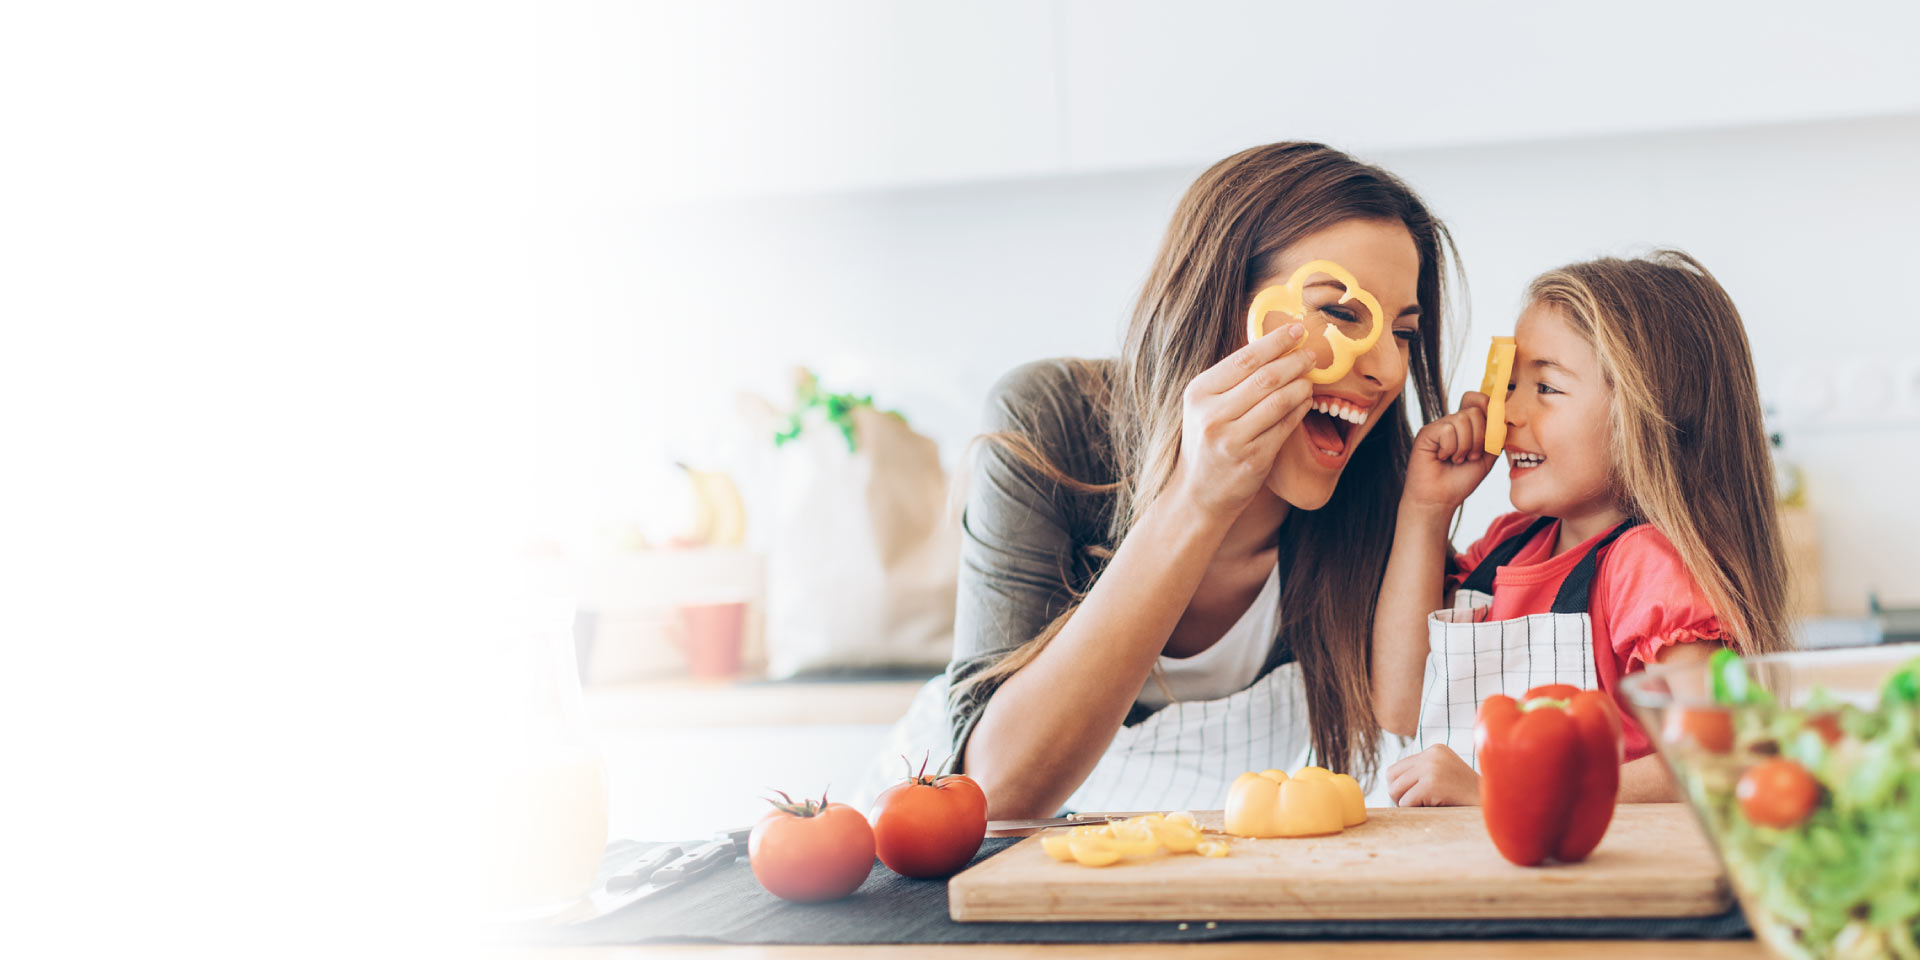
(1230, 665)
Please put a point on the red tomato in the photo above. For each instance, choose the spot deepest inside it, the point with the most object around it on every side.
(1711, 729)
(1777, 793)
(807, 852)
(929, 826)
(1827, 725)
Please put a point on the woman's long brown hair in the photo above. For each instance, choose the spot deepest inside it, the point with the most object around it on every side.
(1689, 444)
(1230, 231)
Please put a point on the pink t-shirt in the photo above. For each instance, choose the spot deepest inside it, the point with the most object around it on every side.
(1643, 599)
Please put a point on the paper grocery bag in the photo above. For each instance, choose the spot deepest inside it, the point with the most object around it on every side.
(862, 555)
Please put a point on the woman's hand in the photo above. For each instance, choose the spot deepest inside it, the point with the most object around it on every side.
(1449, 457)
(1434, 777)
(1234, 417)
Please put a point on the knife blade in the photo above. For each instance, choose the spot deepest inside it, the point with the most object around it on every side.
(1042, 823)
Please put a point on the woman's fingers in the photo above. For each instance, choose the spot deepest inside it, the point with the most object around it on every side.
(1278, 373)
(1242, 363)
(1291, 398)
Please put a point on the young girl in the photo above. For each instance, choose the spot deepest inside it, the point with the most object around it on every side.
(1645, 530)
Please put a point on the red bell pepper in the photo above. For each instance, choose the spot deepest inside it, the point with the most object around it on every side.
(1549, 772)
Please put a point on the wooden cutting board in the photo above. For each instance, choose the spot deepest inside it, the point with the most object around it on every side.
(1422, 862)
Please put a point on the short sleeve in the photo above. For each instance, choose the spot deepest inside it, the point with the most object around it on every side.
(1504, 526)
(1022, 532)
(1651, 602)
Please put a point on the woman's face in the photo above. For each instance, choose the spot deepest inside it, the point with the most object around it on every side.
(1382, 256)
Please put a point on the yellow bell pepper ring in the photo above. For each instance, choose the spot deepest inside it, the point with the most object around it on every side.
(1494, 385)
(1272, 804)
(1287, 298)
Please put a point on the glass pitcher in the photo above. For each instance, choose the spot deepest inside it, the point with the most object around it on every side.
(550, 799)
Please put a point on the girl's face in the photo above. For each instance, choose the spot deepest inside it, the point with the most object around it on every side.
(1381, 255)
(1558, 442)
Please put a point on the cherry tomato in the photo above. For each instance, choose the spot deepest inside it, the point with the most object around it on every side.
(1711, 729)
(1777, 793)
(808, 852)
(1827, 725)
(929, 826)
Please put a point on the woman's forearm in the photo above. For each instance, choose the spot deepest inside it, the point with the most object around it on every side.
(1045, 728)
(1411, 589)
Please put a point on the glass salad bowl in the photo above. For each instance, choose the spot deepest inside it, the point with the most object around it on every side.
(1804, 769)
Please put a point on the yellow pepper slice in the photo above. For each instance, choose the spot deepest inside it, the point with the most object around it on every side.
(1094, 851)
(1133, 839)
(1494, 385)
(1287, 298)
(1176, 836)
(1104, 844)
(1057, 846)
(1353, 802)
(1271, 804)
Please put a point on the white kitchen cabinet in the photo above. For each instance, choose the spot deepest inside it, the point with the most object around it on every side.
(656, 102)
(742, 98)
(1155, 84)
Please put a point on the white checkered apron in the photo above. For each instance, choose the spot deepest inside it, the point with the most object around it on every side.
(1471, 658)
(1184, 756)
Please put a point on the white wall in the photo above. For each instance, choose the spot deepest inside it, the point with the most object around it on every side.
(924, 296)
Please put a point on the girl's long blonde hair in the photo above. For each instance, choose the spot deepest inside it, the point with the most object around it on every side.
(1229, 232)
(1689, 444)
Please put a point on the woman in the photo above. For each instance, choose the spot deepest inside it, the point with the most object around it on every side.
(1170, 559)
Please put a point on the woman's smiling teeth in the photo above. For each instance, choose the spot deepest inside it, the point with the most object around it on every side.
(1334, 407)
(1524, 461)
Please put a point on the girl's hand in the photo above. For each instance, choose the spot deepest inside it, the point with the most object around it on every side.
(1235, 415)
(1449, 457)
(1434, 777)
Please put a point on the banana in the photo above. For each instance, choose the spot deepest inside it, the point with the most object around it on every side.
(720, 518)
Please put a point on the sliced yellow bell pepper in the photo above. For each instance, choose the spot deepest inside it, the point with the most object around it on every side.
(1103, 844)
(1353, 802)
(1287, 298)
(1057, 846)
(1494, 385)
(1093, 851)
(1176, 836)
(1133, 839)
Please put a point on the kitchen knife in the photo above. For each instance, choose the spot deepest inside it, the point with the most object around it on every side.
(690, 865)
(643, 869)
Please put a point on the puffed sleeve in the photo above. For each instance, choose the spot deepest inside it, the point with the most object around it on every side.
(1651, 602)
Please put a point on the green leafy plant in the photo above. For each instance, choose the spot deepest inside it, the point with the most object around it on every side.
(837, 408)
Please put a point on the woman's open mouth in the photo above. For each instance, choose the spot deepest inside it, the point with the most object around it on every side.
(1329, 424)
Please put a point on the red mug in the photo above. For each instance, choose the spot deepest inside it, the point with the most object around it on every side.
(710, 637)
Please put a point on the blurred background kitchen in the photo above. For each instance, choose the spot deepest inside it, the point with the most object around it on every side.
(907, 200)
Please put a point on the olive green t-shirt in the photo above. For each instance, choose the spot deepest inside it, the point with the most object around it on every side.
(1024, 537)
